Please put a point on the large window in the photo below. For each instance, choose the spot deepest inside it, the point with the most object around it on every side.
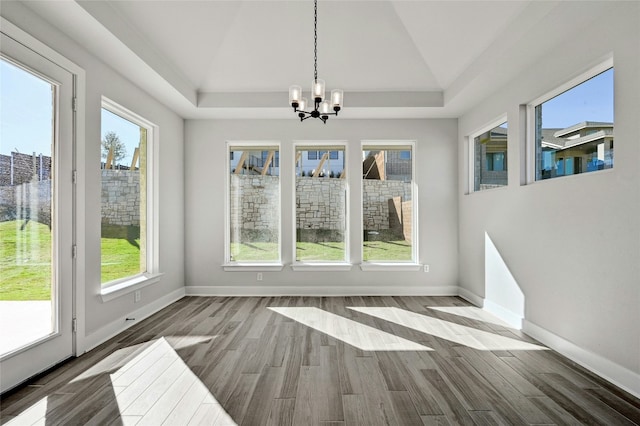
(127, 234)
(573, 130)
(254, 203)
(321, 204)
(388, 203)
(490, 158)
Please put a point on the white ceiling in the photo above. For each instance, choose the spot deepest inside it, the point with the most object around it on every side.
(238, 58)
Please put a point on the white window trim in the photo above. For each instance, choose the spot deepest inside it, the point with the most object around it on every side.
(258, 267)
(321, 266)
(341, 265)
(80, 79)
(128, 285)
(248, 266)
(395, 265)
(389, 266)
(471, 151)
(530, 151)
(118, 288)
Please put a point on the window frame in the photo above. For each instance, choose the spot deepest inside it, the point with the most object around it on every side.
(116, 288)
(227, 264)
(471, 157)
(381, 265)
(530, 137)
(317, 146)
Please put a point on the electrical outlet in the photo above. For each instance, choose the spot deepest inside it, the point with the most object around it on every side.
(259, 277)
(136, 296)
(426, 268)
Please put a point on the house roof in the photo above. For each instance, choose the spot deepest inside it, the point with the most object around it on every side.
(583, 125)
(552, 138)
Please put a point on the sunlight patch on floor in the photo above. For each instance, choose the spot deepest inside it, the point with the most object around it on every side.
(351, 332)
(32, 415)
(152, 387)
(158, 387)
(471, 312)
(181, 342)
(467, 336)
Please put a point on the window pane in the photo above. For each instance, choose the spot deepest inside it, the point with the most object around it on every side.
(387, 205)
(576, 127)
(321, 205)
(124, 201)
(27, 194)
(490, 147)
(254, 204)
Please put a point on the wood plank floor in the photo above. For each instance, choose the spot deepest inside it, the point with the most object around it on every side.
(320, 361)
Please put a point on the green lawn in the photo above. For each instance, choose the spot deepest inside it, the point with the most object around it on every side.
(120, 259)
(25, 258)
(25, 261)
(386, 251)
(324, 251)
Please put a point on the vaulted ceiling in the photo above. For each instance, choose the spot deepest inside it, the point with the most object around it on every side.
(392, 58)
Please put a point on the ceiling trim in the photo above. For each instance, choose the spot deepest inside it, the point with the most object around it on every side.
(125, 31)
(389, 99)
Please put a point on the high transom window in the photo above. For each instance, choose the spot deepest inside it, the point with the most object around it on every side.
(573, 130)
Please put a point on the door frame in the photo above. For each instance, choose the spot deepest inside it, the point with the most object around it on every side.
(79, 168)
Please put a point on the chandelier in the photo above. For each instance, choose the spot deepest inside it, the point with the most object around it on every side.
(322, 108)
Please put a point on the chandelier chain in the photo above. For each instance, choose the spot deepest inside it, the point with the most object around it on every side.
(315, 40)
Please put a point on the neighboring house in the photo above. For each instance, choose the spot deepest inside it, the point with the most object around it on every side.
(307, 162)
(583, 147)
(491, 159)
(387, 165)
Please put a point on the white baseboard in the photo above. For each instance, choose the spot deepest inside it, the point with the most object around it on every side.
(603, 367)
(319, 291)
(512, 319)
(471, 297)
(119, 325)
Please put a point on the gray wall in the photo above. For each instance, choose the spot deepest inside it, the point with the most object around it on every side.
(436, 176)
(572, 244)
(103, 80)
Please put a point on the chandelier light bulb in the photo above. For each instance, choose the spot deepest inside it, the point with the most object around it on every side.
(325, 108)
(336, 97)
(317, 89)
(295, 94)
(302, 104)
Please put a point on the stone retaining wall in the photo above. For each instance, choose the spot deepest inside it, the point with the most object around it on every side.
(255, 209)
(320, 208)
(27, 201)
(378, 196)
(120, 197)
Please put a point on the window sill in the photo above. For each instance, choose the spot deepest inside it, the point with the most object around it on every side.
(240, 267)
(326, 266)
(128, 286)
(378, 266)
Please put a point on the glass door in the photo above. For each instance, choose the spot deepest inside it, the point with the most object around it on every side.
(36, 213)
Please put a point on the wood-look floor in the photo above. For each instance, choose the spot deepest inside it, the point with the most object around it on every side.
(320, 361)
